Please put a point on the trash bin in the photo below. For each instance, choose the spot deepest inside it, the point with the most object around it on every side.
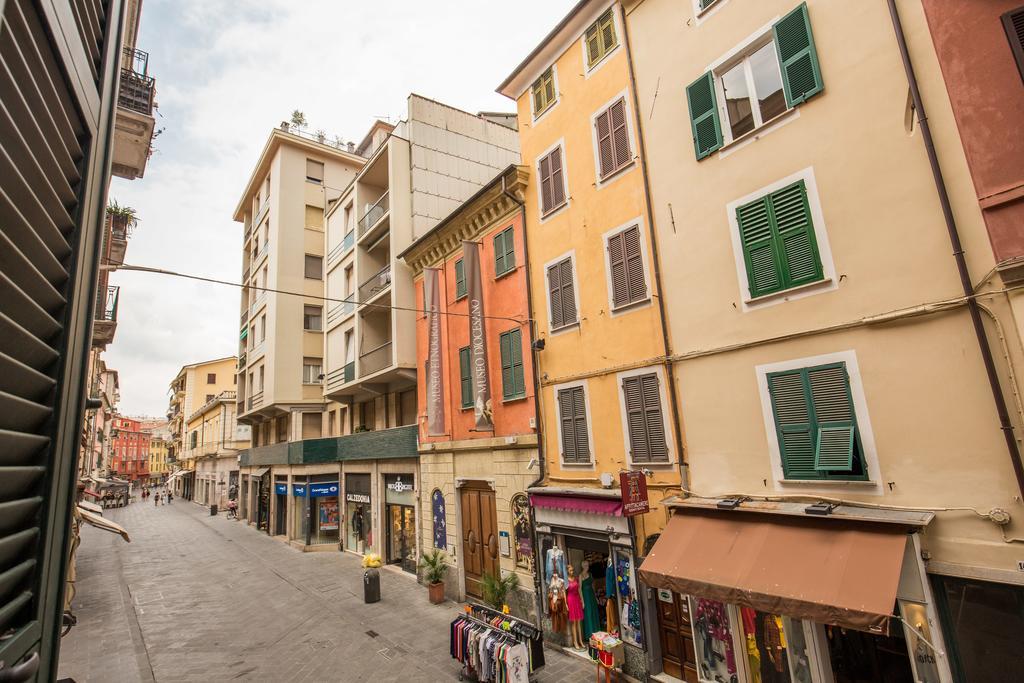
(371, 586)
(213, 510)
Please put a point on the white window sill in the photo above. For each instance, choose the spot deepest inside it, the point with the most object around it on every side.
(554, 211)
(632, 305)
(843, 483)
(614, 175)
(537, 116)
(564, 328)
(754, 135)
(577, 465)
(786, 293)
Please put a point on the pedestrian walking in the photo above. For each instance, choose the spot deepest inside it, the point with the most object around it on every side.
(169, 497)
(156, 499)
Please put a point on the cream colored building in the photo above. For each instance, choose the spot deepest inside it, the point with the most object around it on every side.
(213, 441)
(193, 386)
(822, 346)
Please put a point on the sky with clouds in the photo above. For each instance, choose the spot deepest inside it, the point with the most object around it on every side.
(226, 73)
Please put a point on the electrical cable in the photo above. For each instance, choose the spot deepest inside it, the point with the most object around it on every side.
(348, 300)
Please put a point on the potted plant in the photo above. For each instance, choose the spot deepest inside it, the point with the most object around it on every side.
(497, 587)
(123, 218)
(434, 568)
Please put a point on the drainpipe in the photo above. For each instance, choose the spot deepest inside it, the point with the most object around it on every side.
(958, 254)
(653, 237)
(538, 563)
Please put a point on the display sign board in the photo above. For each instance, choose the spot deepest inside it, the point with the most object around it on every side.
(357, 498)
(323, 490)
(634, 493)
(399, 489)
(281, 489)
(299, 490)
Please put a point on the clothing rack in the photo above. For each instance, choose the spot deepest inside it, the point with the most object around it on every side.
(529, 629)
(519, 633)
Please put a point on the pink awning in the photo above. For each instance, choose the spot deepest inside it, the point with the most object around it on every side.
(594, 506)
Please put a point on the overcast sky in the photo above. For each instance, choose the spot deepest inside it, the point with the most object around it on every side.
(226, 73)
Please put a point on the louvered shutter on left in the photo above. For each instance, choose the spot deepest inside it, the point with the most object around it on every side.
(499, 253)
(507, 381)
(547, 201)
(1013, 23)
(798, 58)
(764, 273)
(635, 420)
(555, 295)
(465, 378)
(704, 118)
(56, 114)
(605, 151)
(791, 409)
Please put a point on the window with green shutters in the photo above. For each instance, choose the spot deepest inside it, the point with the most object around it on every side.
(816, 424)
(543, 91)
(504, 252)
(460, 279)
(780, 250)
(513, 384)
(600, 38)
(465, 377)
(772, 75)
(572, 418)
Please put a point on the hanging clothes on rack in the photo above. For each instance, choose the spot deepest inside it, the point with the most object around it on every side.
(555, 560)
(523, 631)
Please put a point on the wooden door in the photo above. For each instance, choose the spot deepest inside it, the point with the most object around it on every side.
(676, 632)
(479, 536)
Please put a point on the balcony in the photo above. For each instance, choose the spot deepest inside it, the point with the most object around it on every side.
(255, 401)
(375, 359)
(374, 216)
(105, 323)
(245, 317)
(120, 230)
(341, 376)
(376, 284)
(384, 444)
(261, 298)
(261, 214)
(334, 255)
(257, 351)
(134, 124)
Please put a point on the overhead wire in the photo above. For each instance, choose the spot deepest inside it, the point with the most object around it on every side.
(347, 300)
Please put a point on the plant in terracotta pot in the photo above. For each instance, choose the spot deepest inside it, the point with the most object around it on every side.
(496, 588)
(434, 569)
(123, 218)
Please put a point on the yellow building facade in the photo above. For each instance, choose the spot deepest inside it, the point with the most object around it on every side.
(158, 468)
(605, 400)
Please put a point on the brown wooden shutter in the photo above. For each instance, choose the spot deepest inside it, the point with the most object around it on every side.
(555, 294)
(1013, 23)
(605, 150)
(644, 419)
(634, 264)
(572, 410)
(617, 265)
(568, 292)
(557, 180)
(546, 198)
(620, 134)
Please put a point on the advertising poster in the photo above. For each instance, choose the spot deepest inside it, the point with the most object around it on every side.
(328, 515)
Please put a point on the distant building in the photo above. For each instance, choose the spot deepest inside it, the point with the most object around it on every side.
(129, 450)
(213, 441)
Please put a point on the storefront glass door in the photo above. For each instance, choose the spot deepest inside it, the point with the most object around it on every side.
(402, 536)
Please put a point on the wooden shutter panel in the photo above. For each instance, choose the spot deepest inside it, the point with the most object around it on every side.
(656, 440)
(507, 381)
(555, 295)
(797, 248)
(593, 41)
(634, 264)
(567, 421)
(568, 293)
(793, 424)
(755, 225)
(547, 201)
(704, 120)
(557, 181)
(466, 379)
(460, 279)
(605, 151)
(516, 349)
(608, 41)
(794, 43)
(620, 134)
(636, 420)
(549, 87)
(1013, 23)
(834, 414)
(617, 266)
(499, 253)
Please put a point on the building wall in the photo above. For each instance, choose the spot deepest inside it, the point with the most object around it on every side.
(926, 402)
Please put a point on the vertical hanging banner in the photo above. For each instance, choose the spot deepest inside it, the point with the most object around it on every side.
(482, 408)
(435, 377)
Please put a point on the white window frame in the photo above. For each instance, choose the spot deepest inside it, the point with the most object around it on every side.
(630, 132)
(308, 365)
(552, 330)
(642, 303)
(321, 317)
(592, 465)
(541, 216)
(702, 15)
(665, 408)
(537, 116)
(873, 484)
(619, 37)
(829, 281)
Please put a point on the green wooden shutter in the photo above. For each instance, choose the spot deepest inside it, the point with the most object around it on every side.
(793, 423)
(507, 383)
(759, 255)
(516, 347)
(797, 247)
(834, 414)
(499, 253)
(465, 377)
(704, 121)
(593, 40)
(510, 249)
(794, 43)
(460, 279)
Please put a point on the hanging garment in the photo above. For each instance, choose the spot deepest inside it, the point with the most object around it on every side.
(573, 601)
(558, 614)
(610, 614)
(591, 614)
(609, 582)
(555, 560)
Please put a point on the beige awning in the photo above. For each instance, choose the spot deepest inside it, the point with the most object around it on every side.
(102, 523)
(827, 571)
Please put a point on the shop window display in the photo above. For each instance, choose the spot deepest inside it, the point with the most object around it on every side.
(323, 512)
(400, 501)
(358, 513)
(775, 647)
(713, 631)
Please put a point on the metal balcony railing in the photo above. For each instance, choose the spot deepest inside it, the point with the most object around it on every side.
(137, 86)
(375, 284)
(341, 376)
(373, 214)
(375, 359)
(256, 400)
(107, 310)
(349, 241)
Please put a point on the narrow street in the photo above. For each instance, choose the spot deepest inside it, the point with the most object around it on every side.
(200, 598)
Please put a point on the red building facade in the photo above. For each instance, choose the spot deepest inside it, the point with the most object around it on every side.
(129, 449)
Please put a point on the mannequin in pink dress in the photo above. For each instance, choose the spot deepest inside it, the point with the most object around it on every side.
(575, 605)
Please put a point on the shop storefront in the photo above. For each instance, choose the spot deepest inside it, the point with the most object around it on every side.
(400, 520)
(280, 505)
(789, 596)
(585, 539)
(315, 511)
(358, 513)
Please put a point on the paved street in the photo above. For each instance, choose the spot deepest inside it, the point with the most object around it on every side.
(200, 598)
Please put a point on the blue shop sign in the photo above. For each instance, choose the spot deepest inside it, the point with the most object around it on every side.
(323, 490)
(299, 490)
(281, 489)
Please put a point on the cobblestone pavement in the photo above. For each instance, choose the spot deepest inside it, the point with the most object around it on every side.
(200, 598)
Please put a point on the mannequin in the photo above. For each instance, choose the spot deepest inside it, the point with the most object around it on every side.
(574, 603)
(556, 602)
(591, 614)
(357, 529)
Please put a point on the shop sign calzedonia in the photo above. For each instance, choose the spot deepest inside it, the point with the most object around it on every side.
(634, 493)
